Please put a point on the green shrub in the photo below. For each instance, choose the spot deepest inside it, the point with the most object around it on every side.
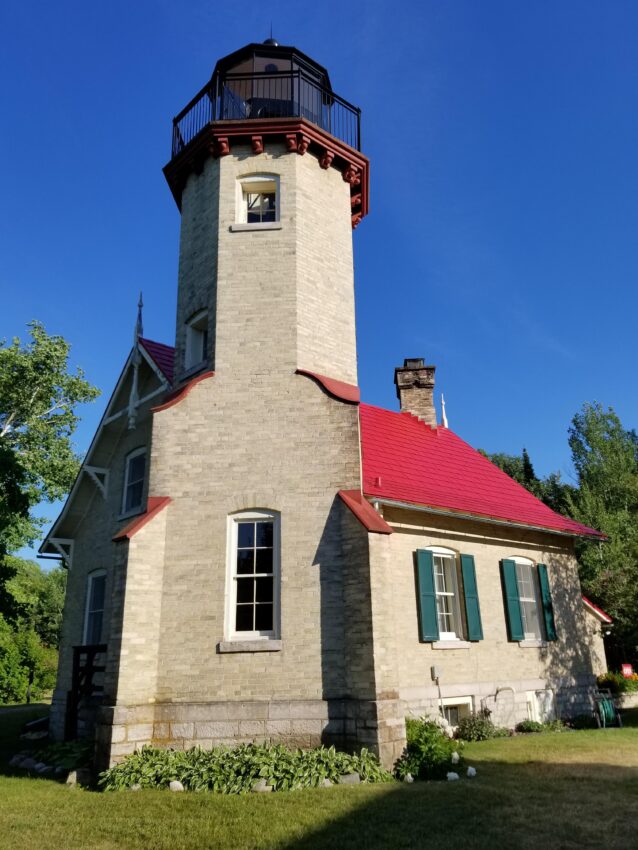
(555, 726)
(530, 726)
(478, 727)
(234, 770)
(14, 678)
(617, 683)
(429, 752)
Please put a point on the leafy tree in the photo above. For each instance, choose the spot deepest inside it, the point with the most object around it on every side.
(14, 677)
(36, 598)
(605, 457)
(38, 397)
(551, 490)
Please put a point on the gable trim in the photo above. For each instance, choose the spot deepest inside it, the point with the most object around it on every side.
(596, 611)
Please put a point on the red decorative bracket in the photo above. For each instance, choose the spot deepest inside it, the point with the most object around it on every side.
(352, 175)
(302, 144)
(355, 200)
(291, 142)
(325, 160)
(257, 144)
(356, 220)
(222, 148)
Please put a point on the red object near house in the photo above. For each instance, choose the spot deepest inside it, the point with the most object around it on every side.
(627, 671)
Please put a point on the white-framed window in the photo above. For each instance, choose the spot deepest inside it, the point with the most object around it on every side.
(528, 594)
(196, 350)
(446, 587)
(134, 473)
(253, 574)
(94, 611)
(258, 200)
(456, 708)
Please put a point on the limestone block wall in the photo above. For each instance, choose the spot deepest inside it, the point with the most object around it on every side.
(495, 672)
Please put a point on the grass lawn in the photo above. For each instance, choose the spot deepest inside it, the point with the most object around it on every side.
(570, 790)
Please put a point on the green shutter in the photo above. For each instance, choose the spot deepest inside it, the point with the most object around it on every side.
(512, 603)
(428, 620)
(472, 608)
(546, 597)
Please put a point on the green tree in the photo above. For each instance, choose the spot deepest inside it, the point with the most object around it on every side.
(551, 490)
(605, 458)
(38, 397)
(36, 598)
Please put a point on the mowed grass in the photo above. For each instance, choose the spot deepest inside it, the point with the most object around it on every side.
(569, 790)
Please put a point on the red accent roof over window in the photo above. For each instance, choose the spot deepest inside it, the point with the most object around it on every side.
(338, 389)
(407, 461)
(364, 511)
(162, 355)
(598, 612)
(154, 505)
(180, 393)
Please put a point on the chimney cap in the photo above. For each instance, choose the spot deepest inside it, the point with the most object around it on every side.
(413, 363)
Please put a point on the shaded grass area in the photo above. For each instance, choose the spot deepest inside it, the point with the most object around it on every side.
(569, 790)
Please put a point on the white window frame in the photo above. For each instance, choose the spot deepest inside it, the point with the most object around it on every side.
(234, 520)
(454, 593)
(196, 343)
(265, 181)
(129, 457)
(87, 608)
(533, 568)
(456, 702)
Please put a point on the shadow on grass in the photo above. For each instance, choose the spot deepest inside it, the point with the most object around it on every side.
(518, 807)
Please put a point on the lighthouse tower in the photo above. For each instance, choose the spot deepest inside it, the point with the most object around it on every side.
(227, 596)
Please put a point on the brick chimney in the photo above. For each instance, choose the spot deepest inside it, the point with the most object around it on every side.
(415, 389)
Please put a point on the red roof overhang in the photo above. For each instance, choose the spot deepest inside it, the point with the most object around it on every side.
(364, 512)
(154, 505)
(339, 389)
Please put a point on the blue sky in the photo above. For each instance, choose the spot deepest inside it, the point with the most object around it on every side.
(501, 242)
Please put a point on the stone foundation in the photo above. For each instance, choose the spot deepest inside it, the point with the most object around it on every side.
(348, 724)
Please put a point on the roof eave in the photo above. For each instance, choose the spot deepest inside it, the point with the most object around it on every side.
(415, 506)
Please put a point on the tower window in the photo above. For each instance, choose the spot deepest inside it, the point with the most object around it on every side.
(196, 340)
(94, 613)
(134, 481)
(257, 202)
(254, 575)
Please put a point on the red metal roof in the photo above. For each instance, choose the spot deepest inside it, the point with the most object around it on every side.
(406, 460)
(162, 355)
(154, 504)
(338, 389)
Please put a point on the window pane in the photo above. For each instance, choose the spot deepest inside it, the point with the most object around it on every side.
(264, 534)
(244, 619)
(134, 495)
(268, 207)
(245, 561)
(263, 618)
(245, 534)
(245, 589)
(98, 584)
(264, 560)
(264, 590)
(136, 468)
(94, 627)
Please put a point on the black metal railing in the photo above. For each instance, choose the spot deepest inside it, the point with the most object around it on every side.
(285, 94)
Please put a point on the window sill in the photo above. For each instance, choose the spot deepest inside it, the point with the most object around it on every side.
(133, 512)
(531, 643)
(451, 644)
(249, 646)
(262, 225)
(193, 370)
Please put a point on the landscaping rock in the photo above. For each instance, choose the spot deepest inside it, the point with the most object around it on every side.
(452, 777)
(176, 785)
(28, 763)
(46, 770)
(136, 787)
(38, 766)
(72, 778)
(349, 779)
(262, 787)
(16, 761)
(471, 771)
(326, 783)
(408, 777)
(455, 758)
